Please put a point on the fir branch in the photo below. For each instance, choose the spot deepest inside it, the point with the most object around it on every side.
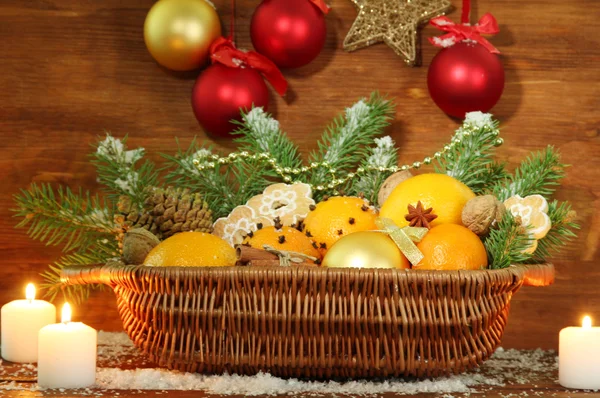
(259, 132)
(104, 250)
(560, 234)
(252, 177)
(75, 220)
(383, 155)
(493, 174)
(539, 174)
(213, 183)
(471, 158)
(116, 168)
(345, 143)
(507, 242)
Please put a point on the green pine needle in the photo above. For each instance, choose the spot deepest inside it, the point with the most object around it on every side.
(470, 160)
(75, 221)
(539, 174)
(506, 243)
(346, 142)
(383, 155)
(99, 254)
(116, 168)
(562, 231)
(259, 132)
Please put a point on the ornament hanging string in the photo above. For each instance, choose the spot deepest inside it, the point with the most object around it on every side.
(232, 22)
(464, 31)
(223, 50)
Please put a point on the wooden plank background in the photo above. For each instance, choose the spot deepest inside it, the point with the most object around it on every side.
(71, 69)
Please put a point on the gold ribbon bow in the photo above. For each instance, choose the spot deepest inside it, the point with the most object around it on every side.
(404, 238)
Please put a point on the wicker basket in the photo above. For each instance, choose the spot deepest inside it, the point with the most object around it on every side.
(314, 322)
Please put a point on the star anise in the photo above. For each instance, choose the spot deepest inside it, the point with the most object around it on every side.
(419, 217)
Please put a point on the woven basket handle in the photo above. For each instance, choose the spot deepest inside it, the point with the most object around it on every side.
(538, 274)
(86, 275)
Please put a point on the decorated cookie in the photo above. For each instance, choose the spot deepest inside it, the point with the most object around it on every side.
(238, 224)
(533, 211)
(291, 203)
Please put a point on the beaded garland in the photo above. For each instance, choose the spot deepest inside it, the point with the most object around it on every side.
(290, 175)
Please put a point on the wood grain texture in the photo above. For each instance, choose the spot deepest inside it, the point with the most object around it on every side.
(71, 69)
(18, 380)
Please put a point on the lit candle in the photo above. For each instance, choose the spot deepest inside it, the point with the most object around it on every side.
(579, 356)
(21, 322)
(67, 354)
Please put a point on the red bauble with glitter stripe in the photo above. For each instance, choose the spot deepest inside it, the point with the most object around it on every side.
(465, 77)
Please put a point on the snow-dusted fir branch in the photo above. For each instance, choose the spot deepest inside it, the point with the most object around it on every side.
(214, 183)
(345, 144)
(470, 159)
(116, 167)
(259, 132)
(382, 156)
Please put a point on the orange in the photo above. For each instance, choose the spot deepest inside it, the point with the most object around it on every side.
(451, 247)
(446, 195)
(192, 249)
(286, 238)
(336, 217)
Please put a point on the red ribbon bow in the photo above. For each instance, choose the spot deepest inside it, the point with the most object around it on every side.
(223, 51)
(457, 33)
(321, 5)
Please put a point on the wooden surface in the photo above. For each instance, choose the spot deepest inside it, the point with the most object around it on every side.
(509, 373)
(71, 69)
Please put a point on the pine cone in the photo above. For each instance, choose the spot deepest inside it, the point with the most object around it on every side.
(168, 211)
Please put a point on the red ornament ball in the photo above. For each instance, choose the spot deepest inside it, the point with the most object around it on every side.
(291, 33)
(464, 78)
(221, 92)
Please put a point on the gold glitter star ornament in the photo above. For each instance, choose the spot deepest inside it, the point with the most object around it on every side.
(393, 22)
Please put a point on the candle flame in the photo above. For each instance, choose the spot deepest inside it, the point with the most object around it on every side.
(30, 292)
(66, 313)
(587, 322)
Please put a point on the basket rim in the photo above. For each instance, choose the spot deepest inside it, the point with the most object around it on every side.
(530, 274)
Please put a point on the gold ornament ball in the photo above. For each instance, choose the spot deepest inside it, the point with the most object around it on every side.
(365, 249)
(178, 33)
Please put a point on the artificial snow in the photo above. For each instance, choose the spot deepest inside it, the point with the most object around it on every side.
(384, 152)
(355, 116)
(264, 129)
(478, 119)
(444, 43)
(505, 367)
(265, 384)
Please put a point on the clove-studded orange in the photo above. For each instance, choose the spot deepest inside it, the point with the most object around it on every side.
(336, 217)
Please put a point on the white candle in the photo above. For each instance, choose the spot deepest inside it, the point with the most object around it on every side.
(67, 354)
(21, 322)
(579, 356)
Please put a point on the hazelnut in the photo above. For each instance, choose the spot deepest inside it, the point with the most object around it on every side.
(481, 213)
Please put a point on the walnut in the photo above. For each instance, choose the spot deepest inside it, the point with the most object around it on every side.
(481, 213)
(137, 243)
(390, 183)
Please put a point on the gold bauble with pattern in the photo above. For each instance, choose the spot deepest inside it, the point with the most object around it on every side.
(365, 249)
